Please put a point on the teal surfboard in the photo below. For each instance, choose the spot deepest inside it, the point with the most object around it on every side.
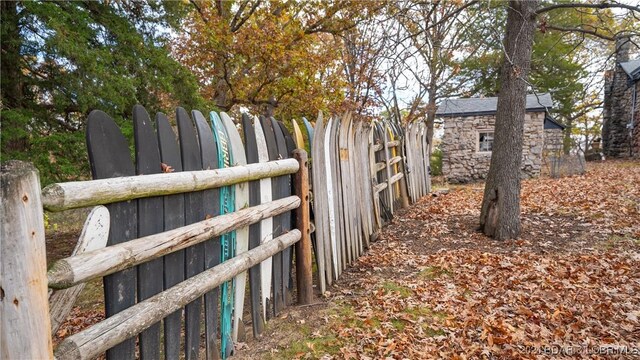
(227, 241)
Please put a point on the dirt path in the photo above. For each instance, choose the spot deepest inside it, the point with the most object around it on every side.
(433, 287)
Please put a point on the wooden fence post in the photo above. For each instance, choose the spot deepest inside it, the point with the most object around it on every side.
(304, 276)
(25, 328)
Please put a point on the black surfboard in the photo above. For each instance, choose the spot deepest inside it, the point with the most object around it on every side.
(289, 219)
(109, 157)
(276, 189)
(173, 218)
(251, 149)
(194, 212)
(211, 204)
(150, 221)
(284, 188)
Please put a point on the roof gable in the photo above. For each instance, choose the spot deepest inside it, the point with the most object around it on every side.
(632, 68)
(488, 105)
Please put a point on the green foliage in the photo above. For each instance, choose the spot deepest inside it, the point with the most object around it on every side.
(435, 162)
(74, 57)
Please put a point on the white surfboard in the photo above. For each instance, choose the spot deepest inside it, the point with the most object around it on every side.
(242, 235)
(332, 215)
(266, 225)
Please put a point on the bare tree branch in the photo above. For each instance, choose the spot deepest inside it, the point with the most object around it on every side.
(592, 6)
(581, 30)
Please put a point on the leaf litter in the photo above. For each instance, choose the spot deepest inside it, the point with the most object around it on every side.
(432, 286)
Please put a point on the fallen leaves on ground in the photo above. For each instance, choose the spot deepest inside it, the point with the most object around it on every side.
(434, 287)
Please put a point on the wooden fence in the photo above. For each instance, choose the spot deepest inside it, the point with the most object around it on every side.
(362, 172)
(169, 262)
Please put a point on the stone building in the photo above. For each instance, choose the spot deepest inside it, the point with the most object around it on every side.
(468, 136)
(620, 129)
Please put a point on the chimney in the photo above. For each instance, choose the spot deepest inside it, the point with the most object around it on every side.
(623, 48)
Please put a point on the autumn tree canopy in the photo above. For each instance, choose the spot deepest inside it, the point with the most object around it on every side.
(60, 60)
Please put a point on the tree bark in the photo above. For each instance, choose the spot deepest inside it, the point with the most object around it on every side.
(500, 213)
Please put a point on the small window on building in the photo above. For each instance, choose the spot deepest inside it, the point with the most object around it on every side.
(485, 141)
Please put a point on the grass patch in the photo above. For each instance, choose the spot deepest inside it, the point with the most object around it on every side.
(423, 311)
(403, 291)
(92, 295)
(315, 346)
(433, 272)
(398, 324)
(615, 241)
(431, 332)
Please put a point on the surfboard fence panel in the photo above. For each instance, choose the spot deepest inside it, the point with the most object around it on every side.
(152, 214)
(363, 172)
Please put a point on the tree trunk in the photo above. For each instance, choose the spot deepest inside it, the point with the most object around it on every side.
(500, 214)
(431, 117)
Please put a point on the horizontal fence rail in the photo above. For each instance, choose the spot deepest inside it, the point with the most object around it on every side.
(84, 267)
(93, 341)
(77, 194)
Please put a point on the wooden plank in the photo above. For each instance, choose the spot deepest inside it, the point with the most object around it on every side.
(375, 198)
(380, 187)
(402, 167)
(242, 234)
(90, 342)
(251, 148)
(394, 160)
(277, 185)
(77, 194)
(109, 157)
(395, 178)
(194, 212)
(25, 328)
(227, 241)
(289, 220)
(377, 147)
(266, 226)
(341, 229)
(174, 264)
(346, 188)
(281, 222)
(310, 131)
(330, 247)
(304, 265)
(94, 235)
(353, 199)
(392, 143)
(389, 170)
(319, 200)
(150, 221)
(298, 135)
(211, 207)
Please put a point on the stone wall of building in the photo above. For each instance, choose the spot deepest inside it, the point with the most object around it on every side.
(552, 141)
(461, 160)
(617, 105)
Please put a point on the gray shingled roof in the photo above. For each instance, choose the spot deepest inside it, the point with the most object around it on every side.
(478, 106)
(632, 68)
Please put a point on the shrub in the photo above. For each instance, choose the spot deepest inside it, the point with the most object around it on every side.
(436, 162)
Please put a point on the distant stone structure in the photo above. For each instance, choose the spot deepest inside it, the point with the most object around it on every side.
(621, 118)
(468, 136)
